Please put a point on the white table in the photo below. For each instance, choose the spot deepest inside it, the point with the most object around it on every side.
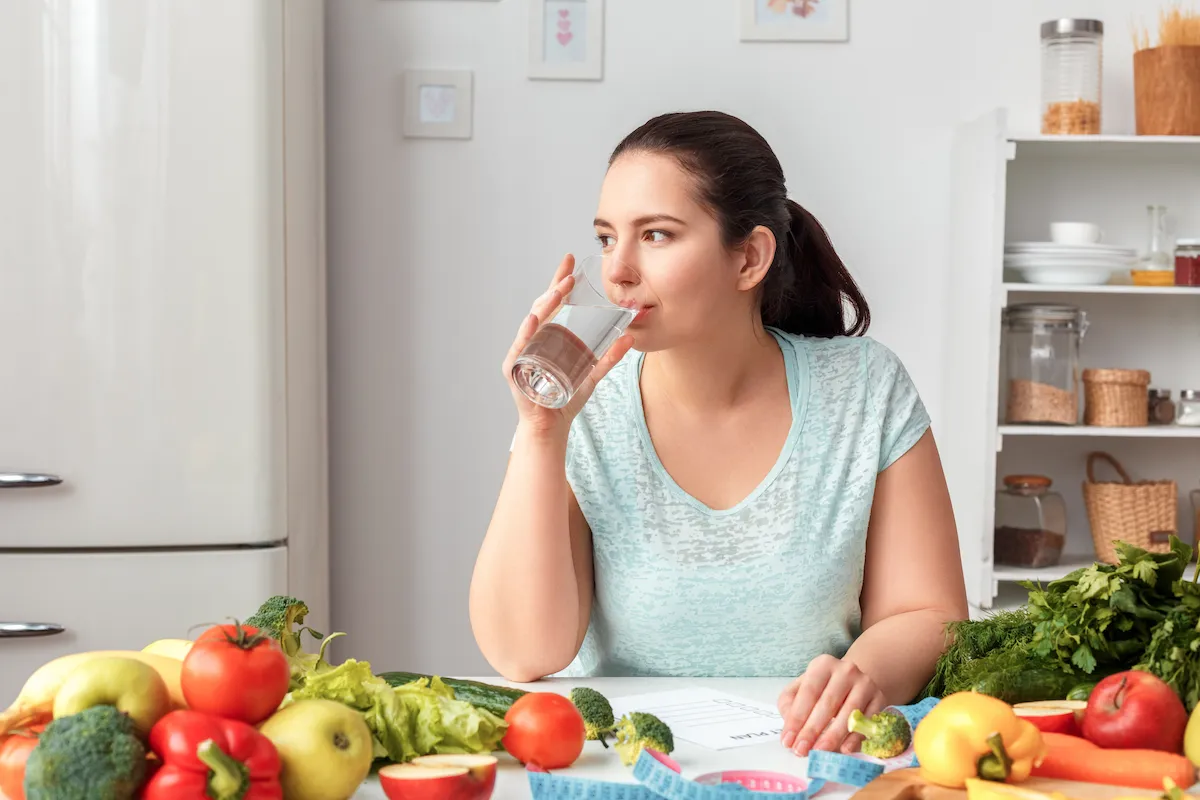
(598, 763)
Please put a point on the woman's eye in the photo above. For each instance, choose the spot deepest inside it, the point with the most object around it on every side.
(663, 234)
(604, 240)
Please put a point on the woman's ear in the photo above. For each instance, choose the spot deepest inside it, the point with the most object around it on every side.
(759, 250)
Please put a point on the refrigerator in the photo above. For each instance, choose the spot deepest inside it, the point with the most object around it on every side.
(162, 320)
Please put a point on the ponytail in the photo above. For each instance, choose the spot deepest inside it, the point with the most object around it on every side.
(807, 288)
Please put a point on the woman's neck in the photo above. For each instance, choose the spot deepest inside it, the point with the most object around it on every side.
(714, 373)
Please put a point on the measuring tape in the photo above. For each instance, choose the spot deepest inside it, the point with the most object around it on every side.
(658, 777)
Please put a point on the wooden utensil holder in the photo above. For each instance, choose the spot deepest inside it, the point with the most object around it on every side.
(1166, 86)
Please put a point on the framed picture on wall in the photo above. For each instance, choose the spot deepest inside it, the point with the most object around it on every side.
(566, 40)
(795, 20)
(437, 103)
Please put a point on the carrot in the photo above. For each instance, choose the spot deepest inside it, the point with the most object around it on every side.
(1058, 740)
(1141, 769)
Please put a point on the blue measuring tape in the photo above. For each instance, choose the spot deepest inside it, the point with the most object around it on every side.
(656, 780)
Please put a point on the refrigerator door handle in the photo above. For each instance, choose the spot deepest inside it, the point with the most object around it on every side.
(13, 630)
(27, 480)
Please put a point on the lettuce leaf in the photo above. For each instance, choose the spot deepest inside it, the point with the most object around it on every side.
(419, 718)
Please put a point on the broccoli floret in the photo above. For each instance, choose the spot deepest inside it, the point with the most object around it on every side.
(639, 729)
(888, 733)
(596, 711)
(277, 618)
(93, 755)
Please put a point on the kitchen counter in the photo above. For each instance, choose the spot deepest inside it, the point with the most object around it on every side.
(598, 763)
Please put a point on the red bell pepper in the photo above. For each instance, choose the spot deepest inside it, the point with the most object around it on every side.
(209, 758)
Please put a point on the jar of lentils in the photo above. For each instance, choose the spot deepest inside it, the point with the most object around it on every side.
(1072, 61)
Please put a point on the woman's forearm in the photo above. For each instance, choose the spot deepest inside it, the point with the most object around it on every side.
(524, 598)
(900, 652)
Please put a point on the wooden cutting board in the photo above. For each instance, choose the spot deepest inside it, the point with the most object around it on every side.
(907, 784)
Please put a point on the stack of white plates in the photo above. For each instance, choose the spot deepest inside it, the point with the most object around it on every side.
(1066, 264)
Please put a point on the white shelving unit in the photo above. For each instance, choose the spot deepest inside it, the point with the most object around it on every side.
(1010, 187)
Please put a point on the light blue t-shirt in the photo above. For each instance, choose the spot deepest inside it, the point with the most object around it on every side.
(761, 588)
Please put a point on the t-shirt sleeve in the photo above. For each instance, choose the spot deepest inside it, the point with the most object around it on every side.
(902, 416)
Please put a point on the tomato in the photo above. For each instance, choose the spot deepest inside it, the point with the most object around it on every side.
(14, 752)
(235, 672)
(544, 729)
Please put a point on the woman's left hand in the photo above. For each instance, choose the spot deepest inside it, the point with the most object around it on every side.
(816, 706)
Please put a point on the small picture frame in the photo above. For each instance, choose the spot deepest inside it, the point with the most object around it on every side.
(566, 40)
(438, 103)
(795, 20)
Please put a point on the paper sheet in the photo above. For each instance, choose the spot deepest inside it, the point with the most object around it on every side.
(707, 717)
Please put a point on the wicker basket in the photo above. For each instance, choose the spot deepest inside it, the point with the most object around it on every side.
(1143, 514)
(1117, 398)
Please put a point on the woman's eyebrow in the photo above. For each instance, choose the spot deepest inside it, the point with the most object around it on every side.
(640, 221)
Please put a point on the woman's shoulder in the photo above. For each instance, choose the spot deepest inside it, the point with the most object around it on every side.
(854, 361)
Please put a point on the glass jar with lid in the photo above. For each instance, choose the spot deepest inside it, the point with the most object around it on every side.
(1187, 262)
(1188, 411)
(1042, 360)
(1031, 523)
(1072, 62)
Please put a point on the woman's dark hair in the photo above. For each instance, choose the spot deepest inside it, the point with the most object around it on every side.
(741, 182)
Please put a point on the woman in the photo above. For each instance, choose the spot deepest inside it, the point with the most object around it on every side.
(754, 491)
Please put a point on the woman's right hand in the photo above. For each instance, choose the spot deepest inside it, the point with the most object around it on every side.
(549, 420)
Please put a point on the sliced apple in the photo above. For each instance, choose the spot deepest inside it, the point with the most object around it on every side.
(481, 766)
(1053, 716)
(444, 777)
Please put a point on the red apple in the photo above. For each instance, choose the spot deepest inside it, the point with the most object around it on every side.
(1135, 709)
(444, 777)
(1053, 716)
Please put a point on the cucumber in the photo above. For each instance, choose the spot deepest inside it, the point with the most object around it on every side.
(1081, 691)
(1018, 685)
(496, 699)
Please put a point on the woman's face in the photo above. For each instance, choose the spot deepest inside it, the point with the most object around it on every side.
(664, 254)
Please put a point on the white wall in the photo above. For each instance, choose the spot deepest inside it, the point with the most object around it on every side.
(438, 246)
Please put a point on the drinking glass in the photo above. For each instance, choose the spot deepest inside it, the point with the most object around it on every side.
(560, 356)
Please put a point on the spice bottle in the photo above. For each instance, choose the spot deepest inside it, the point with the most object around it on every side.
(1031, 523)
(1072, 60)
(1162, 408)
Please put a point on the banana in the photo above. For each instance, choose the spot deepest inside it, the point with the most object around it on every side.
(35, 703)
(173, 648)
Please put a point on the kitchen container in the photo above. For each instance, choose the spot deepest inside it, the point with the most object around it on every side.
(1161, 410)
(1188, 413)
(1117, 398)
(1072, 60)
(1187, 262)
(1042, 360)
(1031, 523)
(1144, 514)
(1196, 515)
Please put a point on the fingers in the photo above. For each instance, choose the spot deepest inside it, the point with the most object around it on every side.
(820, 710)
(565, 268)
(837, 732)
(808, 693)
(787, 697)
(543, 308)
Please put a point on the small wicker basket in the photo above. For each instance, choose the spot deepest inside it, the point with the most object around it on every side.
(1144, 514)
(1118, 398)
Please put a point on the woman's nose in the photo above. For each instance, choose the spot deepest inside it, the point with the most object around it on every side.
(619, 270)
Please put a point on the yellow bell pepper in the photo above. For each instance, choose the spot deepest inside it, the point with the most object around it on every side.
(970, 735)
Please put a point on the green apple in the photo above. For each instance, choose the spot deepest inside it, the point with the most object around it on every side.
(326, 749)
(130, 685)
